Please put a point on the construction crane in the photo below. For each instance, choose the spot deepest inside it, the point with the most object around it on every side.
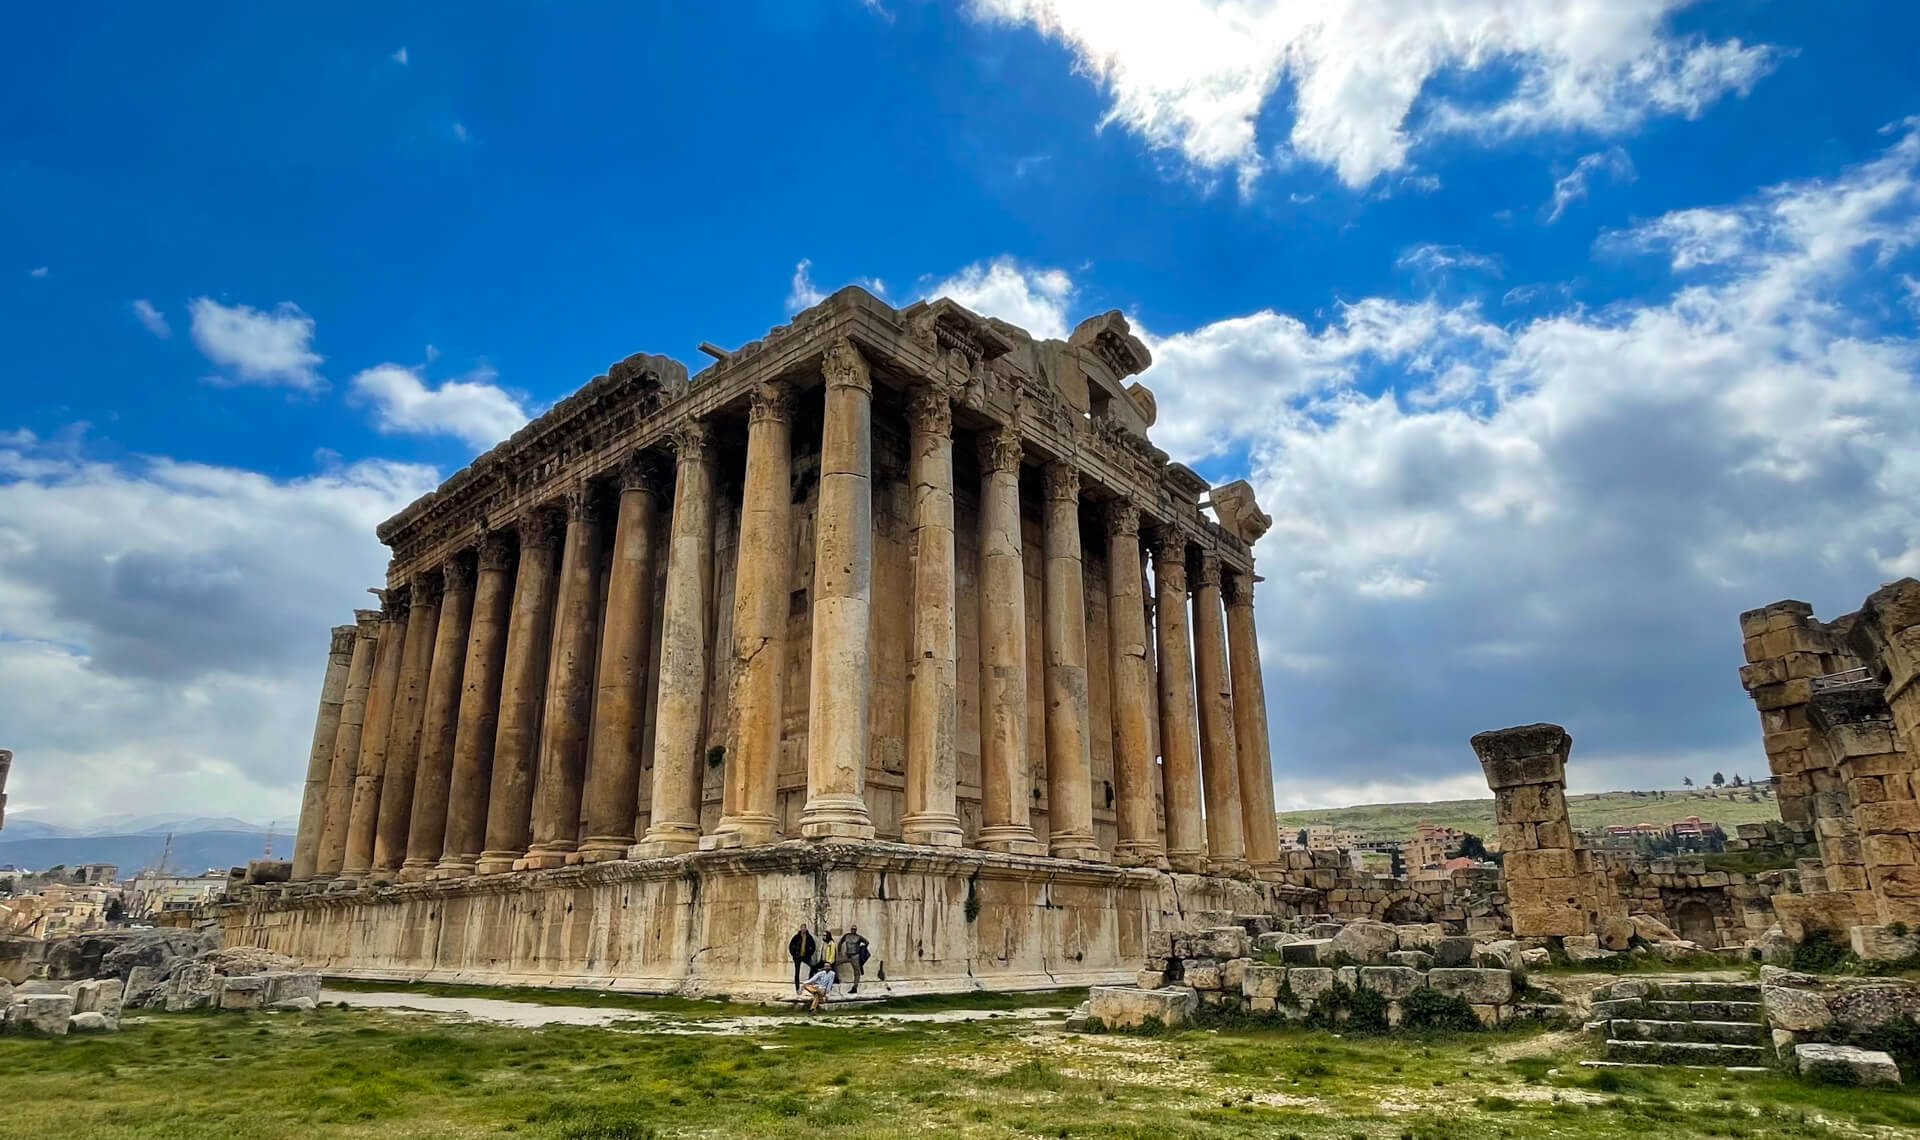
(267, 852)
(160, 864)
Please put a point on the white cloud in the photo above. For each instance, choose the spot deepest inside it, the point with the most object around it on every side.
(1612, 162)
(400, 57)
(1195, 76)
(804, 294)
(258, 348)
(152, 318)
(472, 408)
(1432, 258)
(166, 623)
(460, 131)
(37, 271)
(1034, 299)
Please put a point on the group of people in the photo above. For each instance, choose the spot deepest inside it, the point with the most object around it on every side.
(819, 964)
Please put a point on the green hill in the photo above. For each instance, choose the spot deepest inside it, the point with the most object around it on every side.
(1724, 806)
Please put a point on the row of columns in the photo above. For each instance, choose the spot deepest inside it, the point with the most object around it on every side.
(469, 735)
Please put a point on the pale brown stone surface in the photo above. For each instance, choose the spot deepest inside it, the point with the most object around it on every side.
(363, 818)
(1138, 842)
(1219, 753)
(1260, 827)
(680, 705)
(1005, 779)
(479, 715)
(1550, 890)
(326, 729)
(346, 745)
(523, 683)
(408, 722)
(1069, 755)
(932, 717)
(567, 721)
(1179, 745)
(433, 776)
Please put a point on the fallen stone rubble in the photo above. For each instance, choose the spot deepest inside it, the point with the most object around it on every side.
(158, 975)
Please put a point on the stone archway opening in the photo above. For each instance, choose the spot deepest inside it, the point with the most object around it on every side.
(1693, 921)
(1405, 910)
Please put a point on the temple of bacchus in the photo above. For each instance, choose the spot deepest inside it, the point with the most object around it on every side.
(892, 618)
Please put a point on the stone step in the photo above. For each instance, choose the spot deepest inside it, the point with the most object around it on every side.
(1684, 1053)
(1718, 991)
(1697, 1032)
(1629, 1009)
(1646, 1065)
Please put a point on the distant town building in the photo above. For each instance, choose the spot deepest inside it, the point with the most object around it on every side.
(152, 893)
(1431, 845)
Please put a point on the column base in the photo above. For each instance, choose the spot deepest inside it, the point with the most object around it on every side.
(836, 817)
(415, 871)
(1139, 853)
(1231, 868)
(460, 868)
(497, 862)
(604, 848)
(546, 856)
(1011, 839)
(1269, 872)
(1082, 847)
(932, 829)
(1188, 862)
(663, 839)
(742, 831)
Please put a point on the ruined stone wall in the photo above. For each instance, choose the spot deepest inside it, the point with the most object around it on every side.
(1550, 882)
(1713, 908)
(1786, 648)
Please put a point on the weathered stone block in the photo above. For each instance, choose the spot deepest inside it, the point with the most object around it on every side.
(1364, 942)
(292, 985)
(146, 987)
(191, 987)
(1203, 978)
(1309, 982)
(1454, 951)
(247, 991)
(1233, 974)
(1411, 959)
(1227, 942)
(1306, 952)
(92, 1021)
(1150, 979)
(41, 1013)
(1856, 1066)
(1393, 982)
(100, 995)
(1263, 981)
(1476, 987)
(1652, 929)
(1123, 1007)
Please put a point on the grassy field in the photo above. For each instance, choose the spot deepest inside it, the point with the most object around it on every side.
(365, 1073)
(1397, 821)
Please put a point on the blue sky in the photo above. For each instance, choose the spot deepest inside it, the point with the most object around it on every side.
(1552, 334)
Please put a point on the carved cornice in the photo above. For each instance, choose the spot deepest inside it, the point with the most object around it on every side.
(930, 411)
(1123, 518)
(844, 367)
(771, 402)
(1060, 482)
(496, 551)
(1000, 449)
(458, 573)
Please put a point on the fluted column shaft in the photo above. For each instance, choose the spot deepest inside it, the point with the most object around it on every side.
(1139, 836)
(842, 678)
(1219, 756)
(409, 721)
(569, 716)
(479, 717)
(363, 820)
(326, 727)
(1179, 752)
(523, 683)
(761, 588)
(1250, 730)
(613, 778)
(1005, 780)
(346, 744)
(681, 704)
(932, 815)
(433, 775)
(1064, 627)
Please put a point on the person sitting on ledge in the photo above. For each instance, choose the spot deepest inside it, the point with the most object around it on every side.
(818, 987)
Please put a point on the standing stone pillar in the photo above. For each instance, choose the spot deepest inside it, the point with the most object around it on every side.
(346, 744)
(433, 776)
(761, 591)
(479, 718)
(613, 777)
(840, 687)
(326, 728)
(523, 682)
(569, 715)
(1549, 882)
(1004, 776)
(1064, 617)
(363, 820)
(932, 815)
(1139, 834)
(1882, 774)
(1179, 752)
(409, 721)
(1250, 730)
(1874, 865)
(681, 703)
(1219, 754)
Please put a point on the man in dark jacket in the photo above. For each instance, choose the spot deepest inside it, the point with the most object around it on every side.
(801, 949)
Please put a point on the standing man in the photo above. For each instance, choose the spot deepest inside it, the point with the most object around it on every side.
(801, 948)
(850, 958)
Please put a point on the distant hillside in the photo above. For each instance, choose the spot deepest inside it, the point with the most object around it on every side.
(1723, 806)
(193, 852)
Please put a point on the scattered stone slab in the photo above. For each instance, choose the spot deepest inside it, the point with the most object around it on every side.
(1122, 1007)
(46, 1014)
(1845, 1062)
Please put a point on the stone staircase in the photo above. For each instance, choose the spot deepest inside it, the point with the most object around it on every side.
(1678, 1021)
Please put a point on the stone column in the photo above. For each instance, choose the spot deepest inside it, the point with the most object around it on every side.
(523, 683)
(932, 815)
(346, 744)
(1884, 785)
(680, 707)
(1139, 834)
(409, 721)
(840, 687)
(1785, 649)
(1250, 730)
(569, 715)
(1005, 780)
(613, 777)
(1219, 755)
(1873, 862)
(1179, 752)
(326, 728)
(363, 819)
(1549, 882)
(479, 719)
(763, 583)
(433, 776)
(1064, 625)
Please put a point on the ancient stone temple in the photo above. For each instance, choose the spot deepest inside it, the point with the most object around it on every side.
(894, 618)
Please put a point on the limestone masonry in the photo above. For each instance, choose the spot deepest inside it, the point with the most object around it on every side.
(878, 583)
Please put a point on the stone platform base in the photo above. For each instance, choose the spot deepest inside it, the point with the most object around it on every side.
(712, 923)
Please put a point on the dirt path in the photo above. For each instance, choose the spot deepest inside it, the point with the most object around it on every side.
(532, 1015)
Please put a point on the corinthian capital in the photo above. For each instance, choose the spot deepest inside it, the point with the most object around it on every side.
(427, 587)
(642, 471)
(1209, 574)
(692, 440)
(1123, 518)
(1238, 589)
(496, 551)
(1000, 449)
(771, 402)
(539, 528)
(342, 639)
(844, 367)
(1170, 558)
(1061, 481)
(930, 411)
(396, 604)
(458, 574)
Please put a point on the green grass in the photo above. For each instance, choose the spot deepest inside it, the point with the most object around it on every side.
(370, 1073)
(1397, 821)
